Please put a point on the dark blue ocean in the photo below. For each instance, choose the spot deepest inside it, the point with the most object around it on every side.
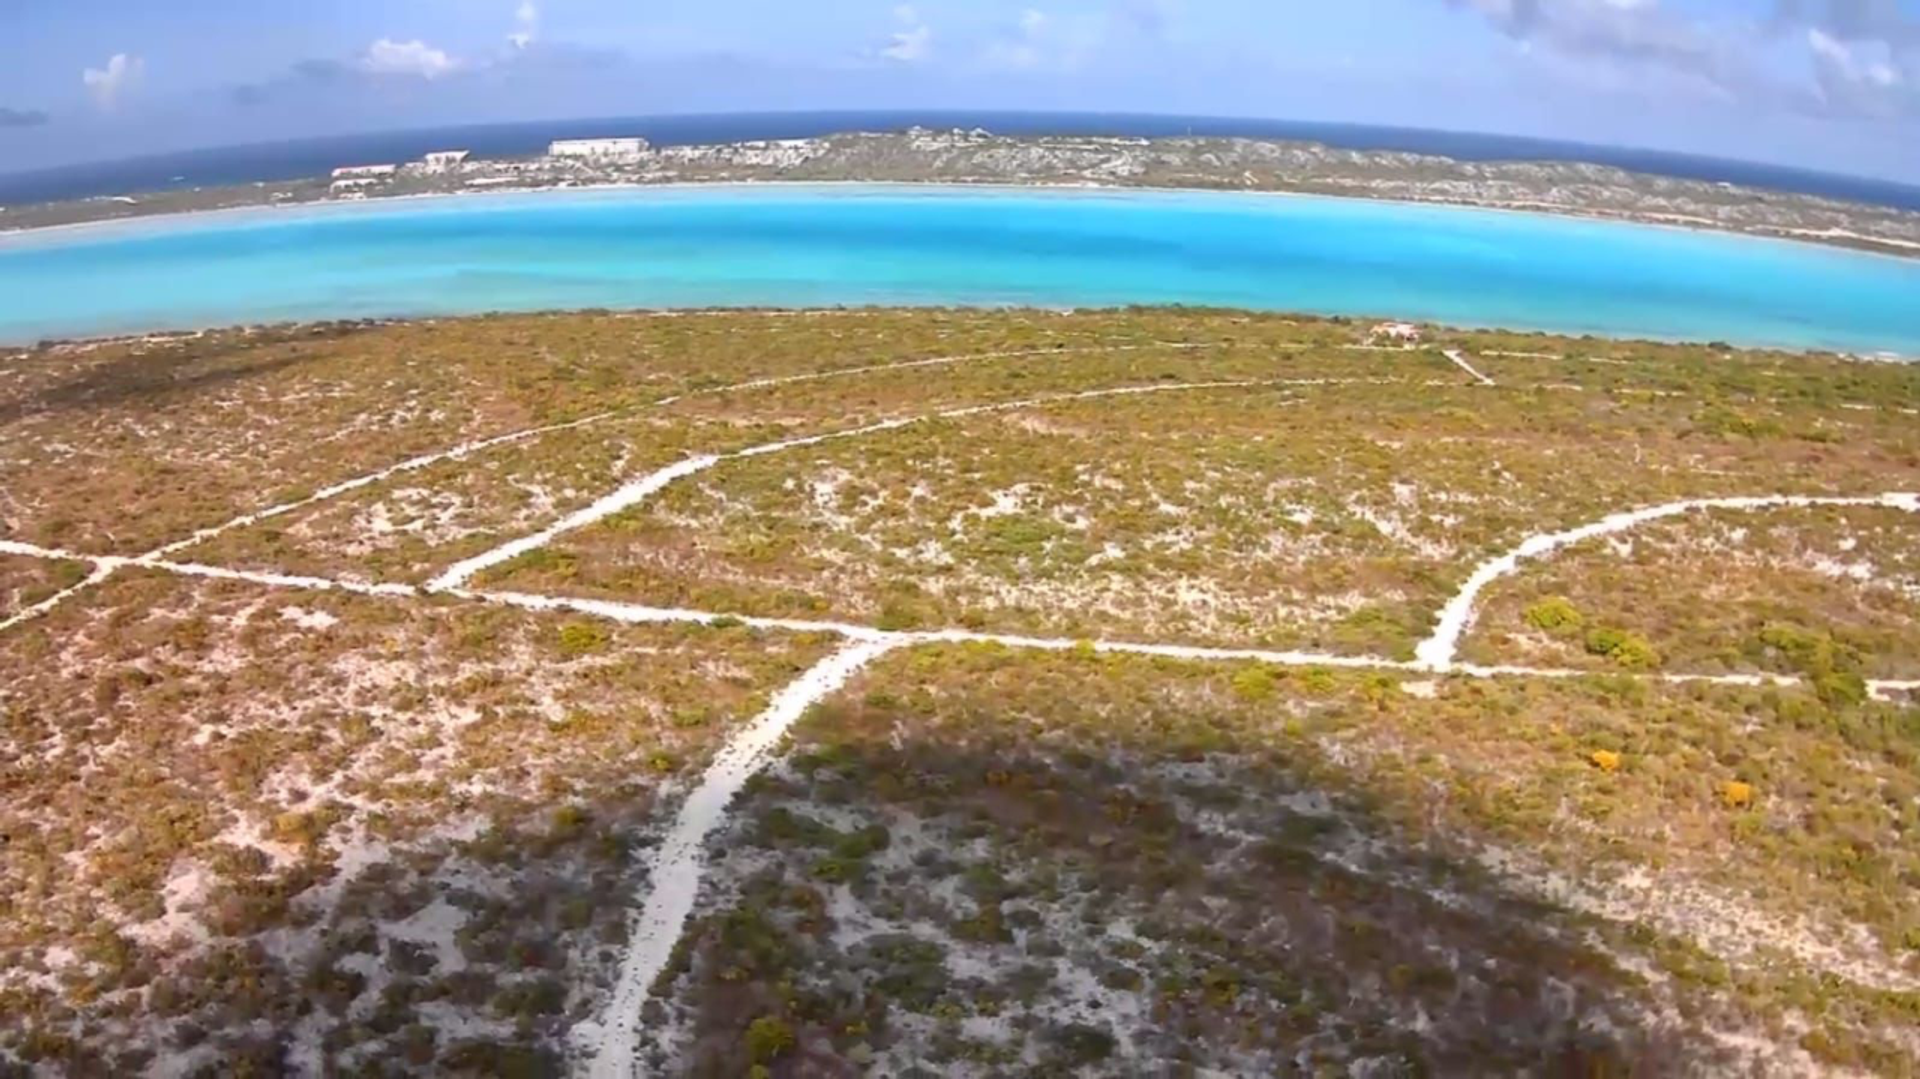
(295, 160)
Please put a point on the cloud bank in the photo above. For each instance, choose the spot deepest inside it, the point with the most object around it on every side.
(110, 84)
(913, 42)
(415, 58)
(22, 118)
(526, 25)
(1864, 55)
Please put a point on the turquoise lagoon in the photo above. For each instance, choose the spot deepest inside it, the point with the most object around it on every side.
(812, 246)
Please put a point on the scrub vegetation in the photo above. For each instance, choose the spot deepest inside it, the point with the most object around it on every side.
(278, 793)
(27, 581)
(1827, 593)
(977, 860)
(246, 829)
(1334, 500)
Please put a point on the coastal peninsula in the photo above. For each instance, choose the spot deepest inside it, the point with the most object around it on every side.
(978, 157)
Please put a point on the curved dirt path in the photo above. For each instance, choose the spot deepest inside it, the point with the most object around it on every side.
(1459, 359)
(639, 490)
(101, 571)
(679, 863)
(106, 566)
(1438, 651)
(641, 614)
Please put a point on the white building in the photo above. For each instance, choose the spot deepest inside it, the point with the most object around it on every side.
(442, 160)
(598, 149)
(1404, 332)
(364, 172)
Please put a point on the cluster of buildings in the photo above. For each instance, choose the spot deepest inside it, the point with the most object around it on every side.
(600, 150)
(359, 181)
(356, 180)
(351, 181)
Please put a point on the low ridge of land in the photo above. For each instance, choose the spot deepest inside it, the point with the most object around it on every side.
(832, 692)
(976, 157)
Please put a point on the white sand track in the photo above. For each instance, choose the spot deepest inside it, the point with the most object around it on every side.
(1437, 652)
(639, 490)
(641, 614)
(936, 361)
(678, 867)
(107, 567)
(99, 573)
(1459, 359)
(628, 496)
(411, 464)
(679, 864)
(1887, 689)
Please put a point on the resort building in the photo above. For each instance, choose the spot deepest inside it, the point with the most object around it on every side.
(364, 172)
(598, 149)
(1405, 333)
(442, 160)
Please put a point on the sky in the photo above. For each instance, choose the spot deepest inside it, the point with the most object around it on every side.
(1832, 85)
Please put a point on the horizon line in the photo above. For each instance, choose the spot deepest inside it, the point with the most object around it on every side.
(1569, 150)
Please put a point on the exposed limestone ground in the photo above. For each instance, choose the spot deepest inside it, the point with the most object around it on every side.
(377, 697)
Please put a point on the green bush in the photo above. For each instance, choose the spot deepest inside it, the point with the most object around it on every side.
(1831, 666)
(1254, 682)
(769, 1038)
(582, 638)
(1082, 1044)
(1626, 649)
(897, 615)
(1840, 688)
(1556, 614)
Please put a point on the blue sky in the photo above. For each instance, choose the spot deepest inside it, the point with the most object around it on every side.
(1827, 84)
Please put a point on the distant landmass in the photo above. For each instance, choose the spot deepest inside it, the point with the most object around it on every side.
(315, 157)
(975, 156)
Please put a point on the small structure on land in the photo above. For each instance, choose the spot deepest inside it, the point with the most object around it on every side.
(364, 172)
(598, 149)
(1403, 333)
(442, 160)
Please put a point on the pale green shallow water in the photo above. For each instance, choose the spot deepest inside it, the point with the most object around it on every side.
(789, 246)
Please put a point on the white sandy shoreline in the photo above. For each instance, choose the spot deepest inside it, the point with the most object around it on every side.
(1819, 239)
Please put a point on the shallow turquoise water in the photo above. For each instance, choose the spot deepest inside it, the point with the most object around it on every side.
(818, 246)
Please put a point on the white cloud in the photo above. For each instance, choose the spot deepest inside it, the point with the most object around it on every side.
(913, 42)
(1864, 54)
(1827, 48)
(109, 84)
(1852, 79)
(526, 24)
(1037, 39)
(909, 46)
(1021, 48)
(416, 58)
